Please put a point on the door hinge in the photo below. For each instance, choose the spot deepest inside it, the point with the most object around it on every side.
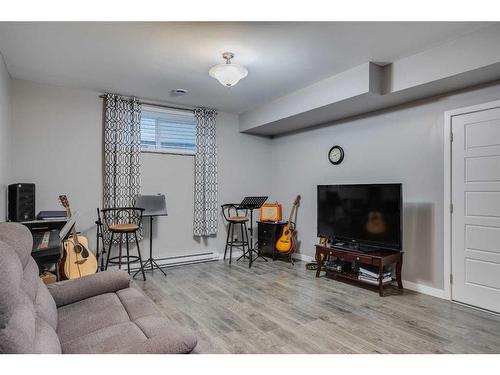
(451, 137)
(451, 208)
(451, 278)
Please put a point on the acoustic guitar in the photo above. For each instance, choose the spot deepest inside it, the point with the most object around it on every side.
(287, 243)
(77, 259)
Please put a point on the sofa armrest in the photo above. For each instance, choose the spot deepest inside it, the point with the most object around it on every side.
(70, 291)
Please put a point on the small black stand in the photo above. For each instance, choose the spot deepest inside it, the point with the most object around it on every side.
(100, 234)
(252, 203)
(154, 205)
(151, 261)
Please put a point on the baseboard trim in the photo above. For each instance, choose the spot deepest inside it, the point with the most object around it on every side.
(424, 289)
(303, 257)
(238, 252)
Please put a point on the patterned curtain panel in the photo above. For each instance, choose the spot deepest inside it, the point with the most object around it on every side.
(205, 173)
(122, 151)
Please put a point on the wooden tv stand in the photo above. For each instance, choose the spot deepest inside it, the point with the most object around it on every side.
(378, 258)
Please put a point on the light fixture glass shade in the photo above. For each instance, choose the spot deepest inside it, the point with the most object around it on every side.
(228, 74)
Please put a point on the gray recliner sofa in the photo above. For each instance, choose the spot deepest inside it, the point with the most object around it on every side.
(100, 313)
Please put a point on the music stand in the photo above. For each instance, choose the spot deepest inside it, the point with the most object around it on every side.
(252, 203)
(154, 205)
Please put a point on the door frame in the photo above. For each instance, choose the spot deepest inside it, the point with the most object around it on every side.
(448, 117)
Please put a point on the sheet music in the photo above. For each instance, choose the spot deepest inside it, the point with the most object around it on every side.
(154, 205)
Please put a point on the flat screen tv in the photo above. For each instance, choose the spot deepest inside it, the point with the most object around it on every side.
(364, 214)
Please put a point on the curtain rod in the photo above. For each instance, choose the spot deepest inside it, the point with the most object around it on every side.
(155, 104)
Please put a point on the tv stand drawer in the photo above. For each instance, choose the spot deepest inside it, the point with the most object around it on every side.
(362, 258)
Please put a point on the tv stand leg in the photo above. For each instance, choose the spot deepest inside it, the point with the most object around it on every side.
(319, 260)
(380, 281)
(399, 265)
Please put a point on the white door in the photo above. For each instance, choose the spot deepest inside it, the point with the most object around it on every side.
(475, 191)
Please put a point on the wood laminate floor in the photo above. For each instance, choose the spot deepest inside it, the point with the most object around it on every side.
(279, 308)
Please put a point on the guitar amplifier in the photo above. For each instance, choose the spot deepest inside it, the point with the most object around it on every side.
(270, 212)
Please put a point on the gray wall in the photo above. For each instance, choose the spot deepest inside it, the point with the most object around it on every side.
(58, 146)
(5, 136)
(242, 170)
(57, 138)
(405, 145)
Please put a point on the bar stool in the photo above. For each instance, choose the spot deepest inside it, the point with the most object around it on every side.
(235, 216)
(123, 221)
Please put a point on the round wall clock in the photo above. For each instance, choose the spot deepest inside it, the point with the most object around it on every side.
(336, 155)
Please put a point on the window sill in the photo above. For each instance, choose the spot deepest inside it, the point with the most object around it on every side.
(166, 152)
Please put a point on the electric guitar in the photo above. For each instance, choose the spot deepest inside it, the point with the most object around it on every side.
(287, 243)
(77, 259)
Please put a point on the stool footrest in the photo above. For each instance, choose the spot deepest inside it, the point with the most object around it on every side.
(123, 260)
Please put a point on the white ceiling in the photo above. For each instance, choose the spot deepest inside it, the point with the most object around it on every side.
(148, 60)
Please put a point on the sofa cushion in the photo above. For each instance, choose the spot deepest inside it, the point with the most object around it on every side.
(19, 239)
(28, 317)
(17, 330)
(46, 340)
(106, 340)
(121, 322)
(45, 306)
(164, 337)
(98, 313)
(90, 315)
(30, 279)
(136, 304)
(11, 271)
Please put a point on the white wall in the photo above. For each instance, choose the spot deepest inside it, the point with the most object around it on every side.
(5, 136)
(404, 144)
(58, 146)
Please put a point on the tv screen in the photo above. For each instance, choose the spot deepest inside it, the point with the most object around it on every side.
(367, 214)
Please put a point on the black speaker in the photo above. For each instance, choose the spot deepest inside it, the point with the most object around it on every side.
(21, 202)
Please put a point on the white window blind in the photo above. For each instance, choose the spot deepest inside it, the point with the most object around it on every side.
(170, 131)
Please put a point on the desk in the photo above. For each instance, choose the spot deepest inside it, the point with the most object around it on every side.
(268, 233)
(50, 256)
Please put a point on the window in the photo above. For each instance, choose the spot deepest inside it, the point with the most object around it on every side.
(169, 131)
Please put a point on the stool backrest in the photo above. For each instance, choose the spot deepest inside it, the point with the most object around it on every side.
(122, 215)
(232, 209)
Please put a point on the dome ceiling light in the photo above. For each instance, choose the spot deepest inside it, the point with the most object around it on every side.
(228, 74)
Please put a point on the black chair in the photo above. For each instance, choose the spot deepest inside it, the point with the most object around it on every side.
(234, 215)
(124, 221)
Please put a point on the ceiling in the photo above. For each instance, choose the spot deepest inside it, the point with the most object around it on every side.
(149, 60)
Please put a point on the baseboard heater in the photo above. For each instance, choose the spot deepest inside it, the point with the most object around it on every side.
(174, 261)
